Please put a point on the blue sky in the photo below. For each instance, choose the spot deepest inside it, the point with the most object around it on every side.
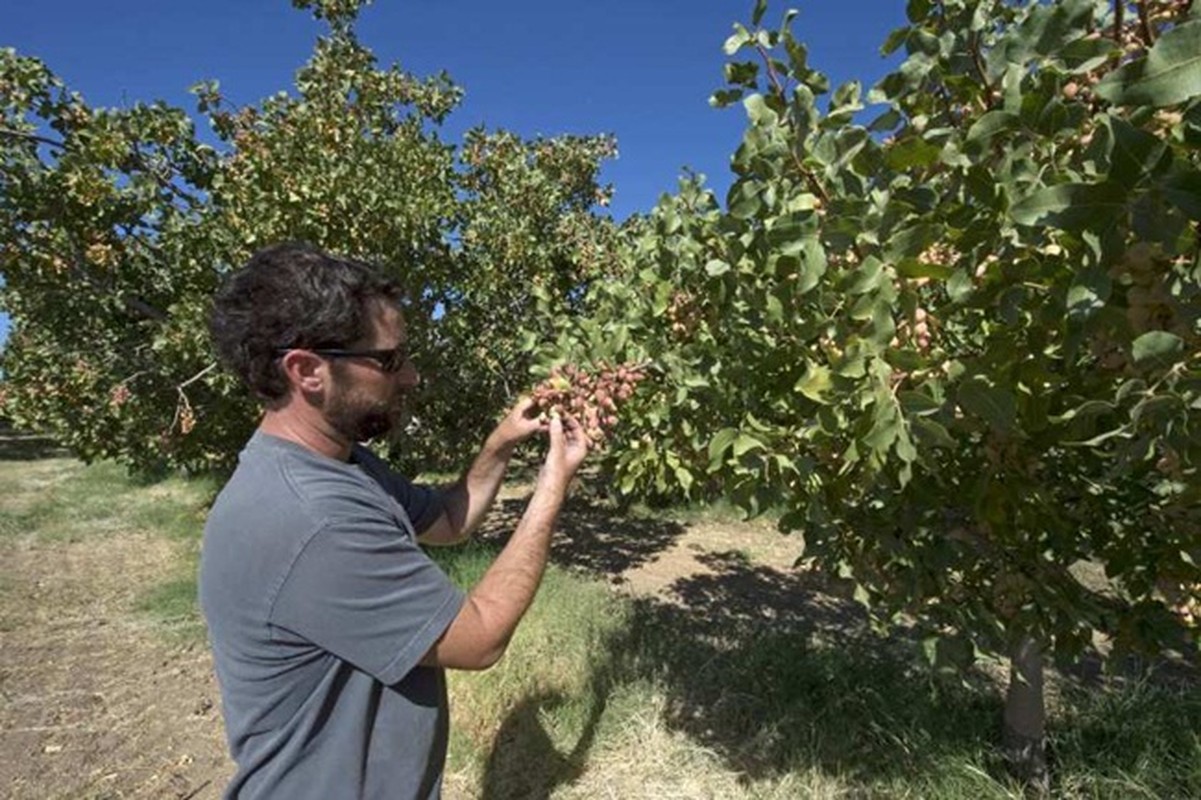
(641, 70)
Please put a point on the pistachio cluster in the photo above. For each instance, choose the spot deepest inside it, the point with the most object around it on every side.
(590, 396)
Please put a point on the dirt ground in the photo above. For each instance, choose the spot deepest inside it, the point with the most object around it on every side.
(96, 702)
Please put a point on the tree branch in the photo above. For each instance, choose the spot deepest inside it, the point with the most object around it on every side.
(162, 180)
(197, 376)
(1144, 21)
(978, 63)
(135, 304)
(811, 179)
(11, 134)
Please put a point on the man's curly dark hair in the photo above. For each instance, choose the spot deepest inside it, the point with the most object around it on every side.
(292, 295)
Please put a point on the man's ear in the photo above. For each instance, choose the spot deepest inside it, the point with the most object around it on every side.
(305, 371)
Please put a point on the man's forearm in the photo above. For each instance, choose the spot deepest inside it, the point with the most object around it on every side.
(481, 632)
(468, 499)
(506, 590)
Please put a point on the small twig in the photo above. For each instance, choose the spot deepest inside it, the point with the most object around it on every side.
(197, 790)
(1119, 14)
(134, 376)
(771, 72)
(197, 376)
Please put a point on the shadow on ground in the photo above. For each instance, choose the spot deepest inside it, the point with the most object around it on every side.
(601, 542)
(16, 446)
(776, 671)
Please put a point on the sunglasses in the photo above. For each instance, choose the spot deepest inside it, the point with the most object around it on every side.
(389, 360)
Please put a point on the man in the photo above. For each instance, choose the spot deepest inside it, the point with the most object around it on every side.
(330, 627)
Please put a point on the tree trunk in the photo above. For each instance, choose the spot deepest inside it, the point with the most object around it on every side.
(1026, 717)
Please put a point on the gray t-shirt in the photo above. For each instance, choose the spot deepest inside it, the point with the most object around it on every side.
(319, 604)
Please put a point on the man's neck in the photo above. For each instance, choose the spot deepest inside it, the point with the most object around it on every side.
(315, 436)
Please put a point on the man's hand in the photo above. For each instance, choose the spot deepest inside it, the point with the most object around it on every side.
(518, 425)
(468, 499)
(568, 447)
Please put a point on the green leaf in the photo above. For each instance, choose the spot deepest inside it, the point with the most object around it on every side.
(760, 10)
(744, 199)
(912, 240)
(1169, 74)
(918, 403)
(912, 268)
(867, 277)
(1088, 293)
(716, 267)
(724, 97)
(683, 477)
(758, 111)
(1045, 31)
(1090, 408)
(746, 443)
(886, 121)
(1085, 55)
(813, 260)
(1136, 153)
(1072, 206)
(788, 233)
(884, 432)
(990, 124)
(904, 447)
(916, 10)
(932, 433)
(991, 403)
(718, 446)
(740, 37)
(815, 383)
(1183, 190)
(960, 286)
(910, 153)
(1157, 347)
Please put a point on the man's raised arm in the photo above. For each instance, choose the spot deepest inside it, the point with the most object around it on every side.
(479, 635)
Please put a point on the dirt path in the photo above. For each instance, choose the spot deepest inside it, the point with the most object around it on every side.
(94, 703)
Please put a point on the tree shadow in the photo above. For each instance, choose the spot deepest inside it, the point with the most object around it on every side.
(778, 671)
(601, 542)
(770, 670)
(16, 446)
(774, 672)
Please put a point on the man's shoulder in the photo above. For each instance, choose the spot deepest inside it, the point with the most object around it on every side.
(270, 459)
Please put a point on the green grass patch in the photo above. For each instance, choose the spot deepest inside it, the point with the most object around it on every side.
(66, 500)
(173, 606)
(63, 500)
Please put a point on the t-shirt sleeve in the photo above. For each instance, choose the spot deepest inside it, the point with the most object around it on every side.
(367, 595)
(423, 504)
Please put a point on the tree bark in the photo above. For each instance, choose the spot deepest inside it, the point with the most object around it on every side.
(1025, 736)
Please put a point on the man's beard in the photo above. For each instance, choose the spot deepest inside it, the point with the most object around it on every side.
(360, 418)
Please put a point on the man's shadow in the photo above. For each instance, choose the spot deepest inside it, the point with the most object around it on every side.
(524, 763)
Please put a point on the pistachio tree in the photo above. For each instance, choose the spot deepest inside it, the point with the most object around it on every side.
(957, 345)
(117, 224)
